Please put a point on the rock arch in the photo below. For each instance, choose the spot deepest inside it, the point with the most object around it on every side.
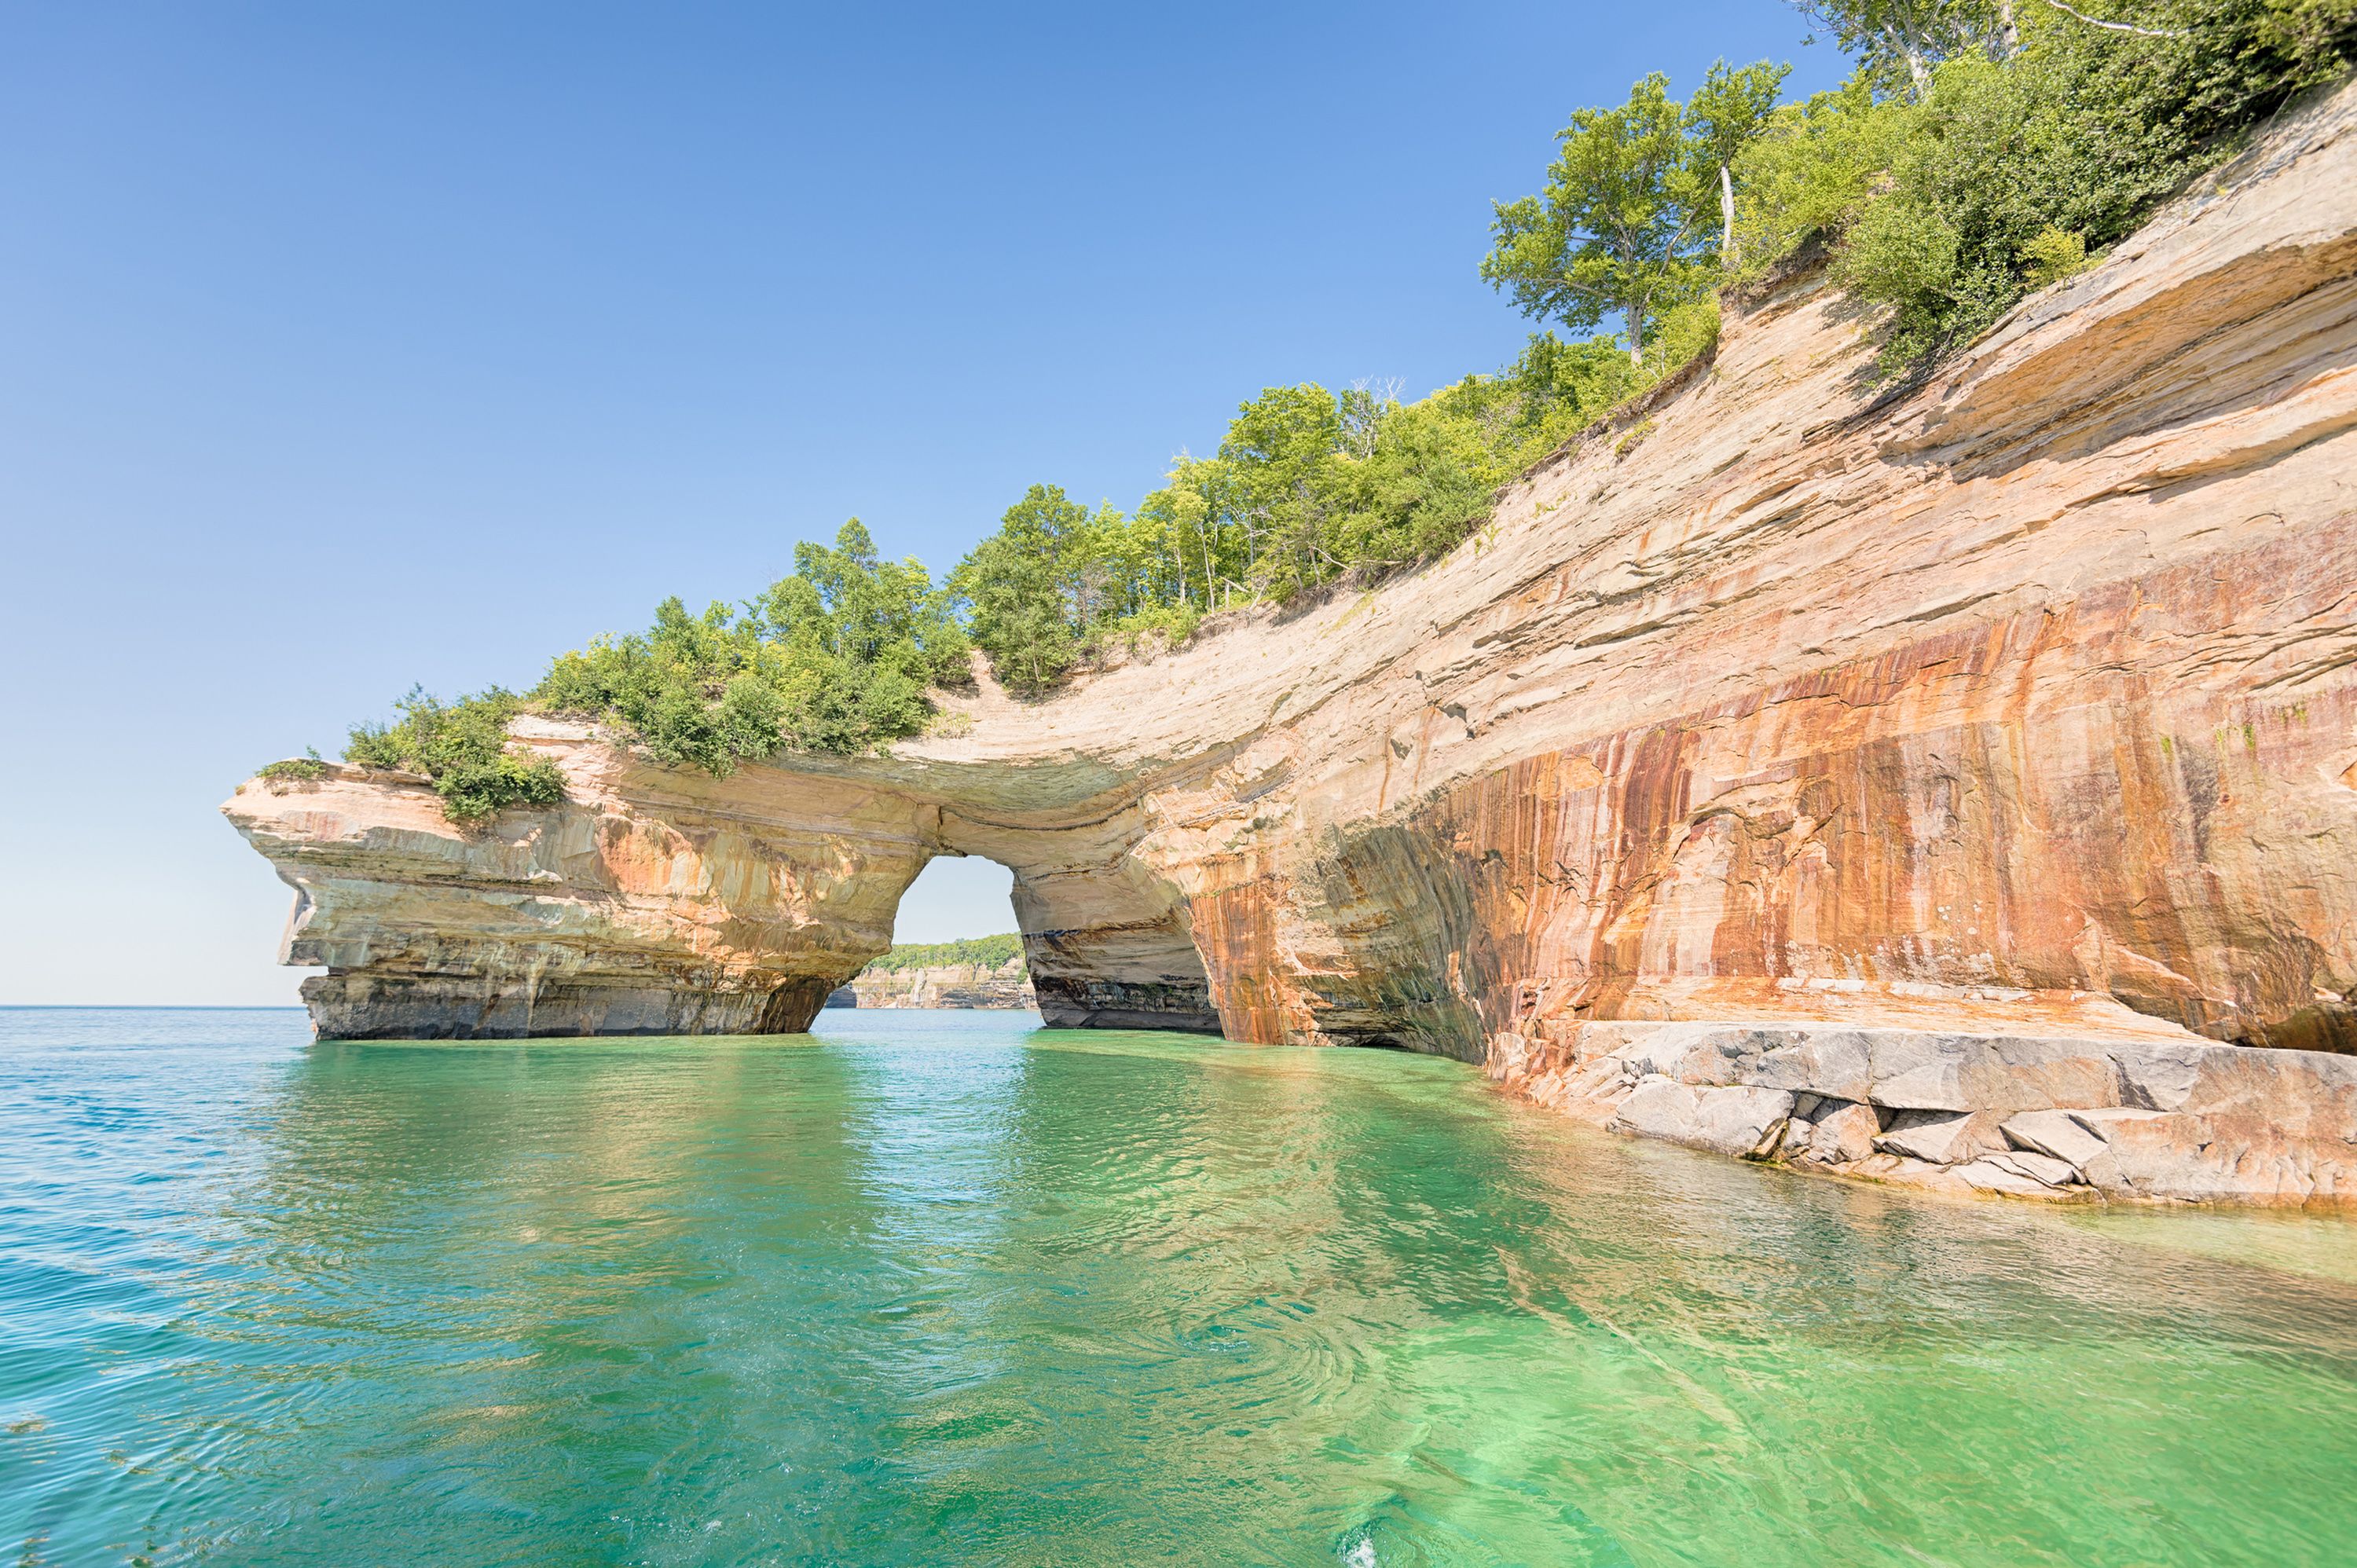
(2017, 708)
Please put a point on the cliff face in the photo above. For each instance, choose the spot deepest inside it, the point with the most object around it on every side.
(2017, 707)
(945, 986)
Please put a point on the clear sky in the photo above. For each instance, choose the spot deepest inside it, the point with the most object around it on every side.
(344, 346)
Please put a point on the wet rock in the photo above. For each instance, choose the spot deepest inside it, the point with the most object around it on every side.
(1988, 1176)
(2038, 1167)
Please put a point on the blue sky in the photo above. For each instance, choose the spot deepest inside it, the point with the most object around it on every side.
(347, 346)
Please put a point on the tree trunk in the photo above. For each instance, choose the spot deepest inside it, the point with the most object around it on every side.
(1727, 257)
(2008, 36)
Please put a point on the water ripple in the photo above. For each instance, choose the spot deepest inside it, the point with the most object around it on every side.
(937, 1288)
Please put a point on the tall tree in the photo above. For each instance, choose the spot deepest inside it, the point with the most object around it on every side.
(1902, 40)
(1623, 227)
(1016, 586)
(1726, 113)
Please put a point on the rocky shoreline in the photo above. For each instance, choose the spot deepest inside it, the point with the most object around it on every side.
(2024, 1117)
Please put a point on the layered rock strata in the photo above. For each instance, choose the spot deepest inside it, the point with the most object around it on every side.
(2015, 707)
(1005, 985)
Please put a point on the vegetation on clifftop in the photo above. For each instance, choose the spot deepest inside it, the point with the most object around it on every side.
(463, 748)
(1982, 149)
(838, 658)
(991, 952)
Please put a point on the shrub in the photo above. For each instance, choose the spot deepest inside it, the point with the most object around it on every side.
(301, 768)
(835, 658)
(2003, 175)
(463, 748)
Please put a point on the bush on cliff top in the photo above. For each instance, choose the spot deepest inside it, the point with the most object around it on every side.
(1954, 189)
(300, 769)
(463, 748)
(837, 656)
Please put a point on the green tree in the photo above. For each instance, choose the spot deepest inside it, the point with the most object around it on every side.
(1726, 114)
(1016, 584)
(1623, 227)
(838, 657)
(1899, 42)
(1281, 452)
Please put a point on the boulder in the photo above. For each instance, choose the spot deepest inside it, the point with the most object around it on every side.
(1918, 1071)
(1832, 1063)
(2038, 1167)
(1842, 1135)
(2160, 1076)
(1988, 1175)
(1943, 1139)
(1727, 1121)
(2054, 1133)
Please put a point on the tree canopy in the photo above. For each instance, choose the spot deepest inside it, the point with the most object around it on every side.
(836, 657)
(1624, 227)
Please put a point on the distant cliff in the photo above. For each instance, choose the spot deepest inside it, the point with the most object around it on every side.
(1797, 768)
(941, 985)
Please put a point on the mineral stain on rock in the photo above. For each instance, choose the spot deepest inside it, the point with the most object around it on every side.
(1953, 762)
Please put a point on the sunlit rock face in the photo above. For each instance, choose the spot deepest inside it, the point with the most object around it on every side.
(2018, 704)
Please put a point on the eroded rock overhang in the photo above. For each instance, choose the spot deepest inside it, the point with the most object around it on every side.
(2019, 707)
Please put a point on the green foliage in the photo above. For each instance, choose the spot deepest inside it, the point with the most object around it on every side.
(989, 951)
(1033, 586)
(1308, 486)
(2051, 256)
(291, 770)
(2005, 163)
(836, 658)
(1628, 225)
(1985, 148)
(463, 748)
(1899, 42)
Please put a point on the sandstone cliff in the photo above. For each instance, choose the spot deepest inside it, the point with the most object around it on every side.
(1006, 985)
(2012, 715)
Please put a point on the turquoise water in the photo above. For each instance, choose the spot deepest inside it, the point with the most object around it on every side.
(935, 1288)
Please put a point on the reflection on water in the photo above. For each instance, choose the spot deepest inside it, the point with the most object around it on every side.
(933, 1288)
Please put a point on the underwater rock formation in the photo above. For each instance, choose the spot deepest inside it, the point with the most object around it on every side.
(2013, 706)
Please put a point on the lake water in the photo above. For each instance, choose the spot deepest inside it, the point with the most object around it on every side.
(941, 1288)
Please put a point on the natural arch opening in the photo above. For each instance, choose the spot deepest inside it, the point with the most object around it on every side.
(955, 896)
(1106, 942)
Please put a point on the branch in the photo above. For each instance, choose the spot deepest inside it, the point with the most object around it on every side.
(2120, 27)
